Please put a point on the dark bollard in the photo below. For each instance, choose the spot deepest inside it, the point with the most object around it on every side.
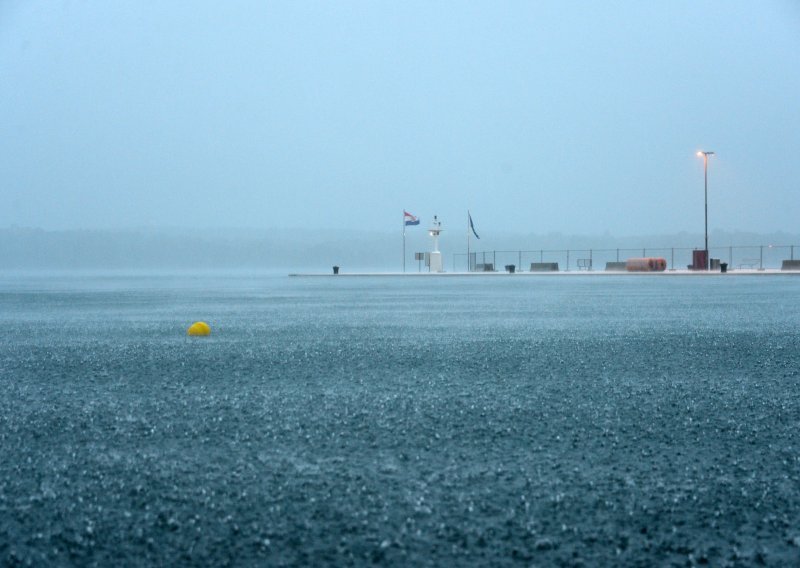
(511, 268)
(335, 270)
(723, 267)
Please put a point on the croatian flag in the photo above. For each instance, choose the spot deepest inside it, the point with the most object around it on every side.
(409, 219)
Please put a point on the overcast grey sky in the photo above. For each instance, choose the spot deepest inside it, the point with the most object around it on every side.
(578, 117)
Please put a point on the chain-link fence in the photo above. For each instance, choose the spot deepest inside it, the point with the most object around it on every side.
(755, 257)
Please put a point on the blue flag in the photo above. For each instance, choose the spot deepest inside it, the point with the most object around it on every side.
(471, 226)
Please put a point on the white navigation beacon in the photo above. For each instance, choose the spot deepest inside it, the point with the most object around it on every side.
(435, 255)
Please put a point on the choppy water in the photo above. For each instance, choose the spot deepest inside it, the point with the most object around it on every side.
(432, 421)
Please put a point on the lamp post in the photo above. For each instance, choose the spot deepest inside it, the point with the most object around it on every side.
(705, 168)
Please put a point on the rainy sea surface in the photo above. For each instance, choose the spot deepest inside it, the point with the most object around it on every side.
(497, 421)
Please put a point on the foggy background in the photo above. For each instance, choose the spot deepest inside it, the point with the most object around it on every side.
(318, 250)
(294, 134)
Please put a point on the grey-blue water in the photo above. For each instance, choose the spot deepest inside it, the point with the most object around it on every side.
(428, 421)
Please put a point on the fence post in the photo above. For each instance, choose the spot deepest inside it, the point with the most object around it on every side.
(519, 262)
(567, 270)
(730, 256)
(643, 253)
(590, 260)
(792, 257)
(672, 260)
(761, 258)
(541, 255)
(617, 255)
(494, 259)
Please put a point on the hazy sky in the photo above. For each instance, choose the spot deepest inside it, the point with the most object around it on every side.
(578, 117)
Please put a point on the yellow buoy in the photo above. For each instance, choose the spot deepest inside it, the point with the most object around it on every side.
(199, 328)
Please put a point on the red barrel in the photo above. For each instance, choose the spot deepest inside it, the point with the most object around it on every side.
(649, 264)
(699, 260)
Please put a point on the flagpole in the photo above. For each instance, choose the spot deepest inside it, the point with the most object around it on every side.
(469, 266)
(404, 241)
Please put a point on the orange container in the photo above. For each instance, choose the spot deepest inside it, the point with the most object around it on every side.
(649, 264)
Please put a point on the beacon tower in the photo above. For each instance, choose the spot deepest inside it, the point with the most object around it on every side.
(435, 255)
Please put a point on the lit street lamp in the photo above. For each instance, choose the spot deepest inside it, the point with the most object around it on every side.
(705, 167)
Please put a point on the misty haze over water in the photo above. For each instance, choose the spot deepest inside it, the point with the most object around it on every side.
(313, 250)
